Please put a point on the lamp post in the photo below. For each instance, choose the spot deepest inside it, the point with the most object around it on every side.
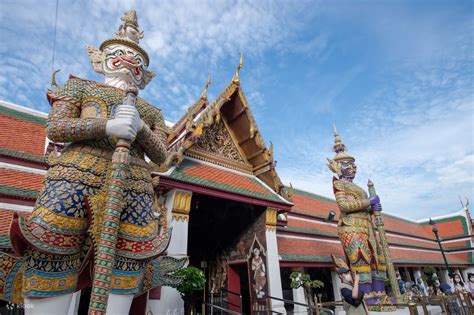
(435, 231)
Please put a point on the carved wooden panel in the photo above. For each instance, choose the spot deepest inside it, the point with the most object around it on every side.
(216, 140)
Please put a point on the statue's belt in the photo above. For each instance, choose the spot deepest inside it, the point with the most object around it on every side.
(106, 154)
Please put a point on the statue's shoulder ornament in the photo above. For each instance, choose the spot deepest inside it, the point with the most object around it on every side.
(343, 186)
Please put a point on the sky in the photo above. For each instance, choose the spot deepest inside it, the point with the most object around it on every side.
(396, 77)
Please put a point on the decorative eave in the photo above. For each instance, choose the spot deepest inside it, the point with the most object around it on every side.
(186, 121)
(240, 120)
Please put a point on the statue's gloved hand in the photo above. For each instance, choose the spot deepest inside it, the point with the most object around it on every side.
(125, 124)
(125, 111)
(375, 203)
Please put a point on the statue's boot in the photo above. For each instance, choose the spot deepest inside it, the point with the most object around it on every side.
(119, 304)
(56, 305)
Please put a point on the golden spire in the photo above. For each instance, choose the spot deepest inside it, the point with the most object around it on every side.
(208, 83)
(339, 147)
(241, 64)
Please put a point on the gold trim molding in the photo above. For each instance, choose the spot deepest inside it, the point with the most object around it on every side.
(271, 215)
(181, 205)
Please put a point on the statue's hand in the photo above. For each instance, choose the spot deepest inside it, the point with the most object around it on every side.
(125, 124)
(375, 203)
(374, 200)
(125, 111)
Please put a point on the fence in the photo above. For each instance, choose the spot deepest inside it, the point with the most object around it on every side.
(454, 304)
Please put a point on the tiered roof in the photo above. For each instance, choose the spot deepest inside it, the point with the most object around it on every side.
(204, 177)
(231, 110)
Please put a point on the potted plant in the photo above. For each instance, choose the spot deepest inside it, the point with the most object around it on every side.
(193, 281)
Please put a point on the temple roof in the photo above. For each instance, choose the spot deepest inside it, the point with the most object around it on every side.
(231, 109)
(23, 133)
(208, 175)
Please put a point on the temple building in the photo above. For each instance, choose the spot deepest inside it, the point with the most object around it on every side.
(229, 210)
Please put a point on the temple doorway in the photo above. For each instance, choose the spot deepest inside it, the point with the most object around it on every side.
(221, 233)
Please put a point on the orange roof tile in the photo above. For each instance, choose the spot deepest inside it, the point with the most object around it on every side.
(21, 135)
(6, 217)
(19, 179)
(215, 177)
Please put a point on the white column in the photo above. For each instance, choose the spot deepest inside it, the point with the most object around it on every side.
(178, 205)
(417, 274)
(273, 262)
(336, 284)
(407, 275)
(299, 296)
(444, 276)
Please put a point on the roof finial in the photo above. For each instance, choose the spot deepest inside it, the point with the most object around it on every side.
(241, 64)
(208, 83)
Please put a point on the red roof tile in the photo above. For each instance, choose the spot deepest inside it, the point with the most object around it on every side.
(308, 247)
(6, 217)
(215, 177)
(22, 180)
(22, 136)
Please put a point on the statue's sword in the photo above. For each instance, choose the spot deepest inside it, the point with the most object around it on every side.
(384, 244)
(105, 250)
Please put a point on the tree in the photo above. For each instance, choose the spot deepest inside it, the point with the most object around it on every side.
(299, 280)
(192, 283)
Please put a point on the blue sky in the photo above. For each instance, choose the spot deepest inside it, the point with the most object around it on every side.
(395, 76)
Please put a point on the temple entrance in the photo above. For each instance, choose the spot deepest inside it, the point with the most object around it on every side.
(221, 233)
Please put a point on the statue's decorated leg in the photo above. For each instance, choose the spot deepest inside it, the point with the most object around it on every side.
(56, 305)
(54, 236)
(356, 248)
(119, 304)
(379, 272)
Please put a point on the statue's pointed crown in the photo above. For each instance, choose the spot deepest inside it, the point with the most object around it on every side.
(339, 147)
(129, 34)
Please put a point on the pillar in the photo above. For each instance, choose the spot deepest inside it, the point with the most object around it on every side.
(463, 273)
(178, 205)
(336, 284)
(444, 276)
(407, 275)
(298, 294)
(417, 274)
(273, 262)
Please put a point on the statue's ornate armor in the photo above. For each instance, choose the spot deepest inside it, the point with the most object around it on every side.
(66, 219)
(356, 232)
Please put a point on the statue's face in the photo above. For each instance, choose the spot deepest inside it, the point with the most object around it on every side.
(126, 63)
(348, 169)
